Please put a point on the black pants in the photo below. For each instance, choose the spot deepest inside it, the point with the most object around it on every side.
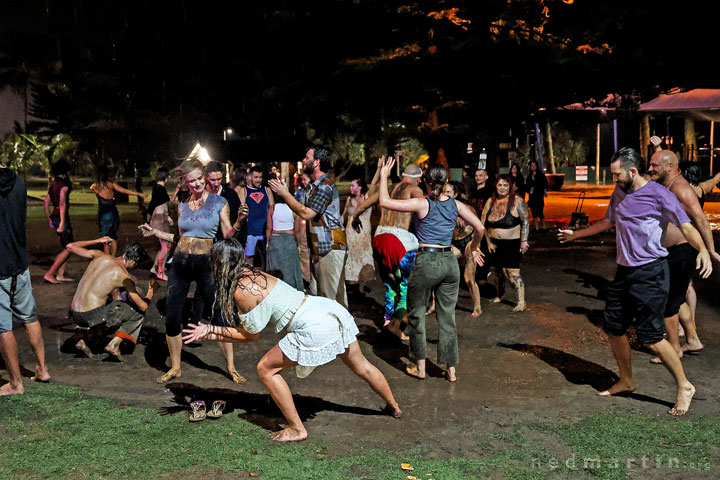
(187, 268)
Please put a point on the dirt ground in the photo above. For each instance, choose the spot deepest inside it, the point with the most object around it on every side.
(544, 364)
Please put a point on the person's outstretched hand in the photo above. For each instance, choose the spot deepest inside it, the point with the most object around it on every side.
(195, 333)
(566, 236)
(387, 166)
(278, 186)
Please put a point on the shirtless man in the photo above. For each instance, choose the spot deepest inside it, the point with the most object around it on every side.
(104, 274)
(394, 247)
(663, 168)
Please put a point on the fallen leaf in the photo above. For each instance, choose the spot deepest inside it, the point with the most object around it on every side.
(407, 467)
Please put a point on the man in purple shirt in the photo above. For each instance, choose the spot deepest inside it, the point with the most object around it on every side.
(641, 212)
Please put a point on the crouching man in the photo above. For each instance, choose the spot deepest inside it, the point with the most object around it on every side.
(104, 276)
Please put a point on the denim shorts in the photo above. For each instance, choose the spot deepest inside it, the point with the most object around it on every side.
(16, 301)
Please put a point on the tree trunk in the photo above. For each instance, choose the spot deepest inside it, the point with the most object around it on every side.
(645, 137)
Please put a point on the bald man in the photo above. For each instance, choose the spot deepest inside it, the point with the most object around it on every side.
(663, 168)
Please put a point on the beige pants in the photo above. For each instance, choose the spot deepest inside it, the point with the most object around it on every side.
(328, 276)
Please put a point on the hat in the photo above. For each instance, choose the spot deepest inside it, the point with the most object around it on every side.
(412, 171)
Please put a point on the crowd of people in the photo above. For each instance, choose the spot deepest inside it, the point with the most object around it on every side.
(264, 254)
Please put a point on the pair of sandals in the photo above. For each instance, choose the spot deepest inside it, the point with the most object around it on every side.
(198, 410)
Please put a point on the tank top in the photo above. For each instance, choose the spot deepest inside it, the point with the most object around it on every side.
(438, 225)
(54, 194)
(283, 217)
(508, 221)
(258, 204)
(205, 221)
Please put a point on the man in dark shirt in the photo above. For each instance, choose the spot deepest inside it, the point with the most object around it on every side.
(483, 190)
(214, 172)
(16, 299)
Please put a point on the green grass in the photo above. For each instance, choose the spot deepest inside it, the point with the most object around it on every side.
(60, 432)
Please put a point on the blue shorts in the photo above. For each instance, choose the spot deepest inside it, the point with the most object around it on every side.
(252, 244)
(16, 301)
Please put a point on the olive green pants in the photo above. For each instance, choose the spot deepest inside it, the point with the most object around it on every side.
(434, 272)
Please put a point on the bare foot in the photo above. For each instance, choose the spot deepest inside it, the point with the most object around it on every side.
(450, 375)
(621, 386)
(521, 307)
(394, 412)
(114, 351)
(496, 300)
(657, 361)
(685, 396)
(413, 371)
(169, 375)
(64, 279)
(476, 313)
(693, 348)
(236, 377)
(430, 310)
(8, 389)
(50, 279)
(395, 329)
(84, 349)
(41, 375)
(289, 435)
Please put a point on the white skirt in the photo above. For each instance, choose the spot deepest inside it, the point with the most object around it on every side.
(321, 330)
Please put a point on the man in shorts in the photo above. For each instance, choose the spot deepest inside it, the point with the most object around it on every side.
(90, 310)
(16, 298)
(663, 168)
(641, 211)
(261, 204)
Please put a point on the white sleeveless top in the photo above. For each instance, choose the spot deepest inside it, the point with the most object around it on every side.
(283, 217)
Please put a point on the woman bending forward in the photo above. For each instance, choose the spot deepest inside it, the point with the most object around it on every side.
(317, 330)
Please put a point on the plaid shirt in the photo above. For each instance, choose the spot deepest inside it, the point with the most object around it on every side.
(325, 200)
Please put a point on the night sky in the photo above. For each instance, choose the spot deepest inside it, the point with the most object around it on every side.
(149, 78)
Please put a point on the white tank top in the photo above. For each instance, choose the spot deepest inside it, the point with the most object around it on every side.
(283, 217)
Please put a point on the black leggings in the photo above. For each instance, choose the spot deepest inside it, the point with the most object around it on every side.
(187, 268)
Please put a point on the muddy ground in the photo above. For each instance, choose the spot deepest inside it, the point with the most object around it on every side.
(544, 364)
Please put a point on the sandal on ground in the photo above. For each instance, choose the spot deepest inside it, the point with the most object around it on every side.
(197, 411)
(217, 408)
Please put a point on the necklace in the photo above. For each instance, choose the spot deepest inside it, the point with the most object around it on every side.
(196, 205)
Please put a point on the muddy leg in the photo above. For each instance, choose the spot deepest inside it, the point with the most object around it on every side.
(269, 368)
(357, 362)
(685, 390)
(621, 351)
(34, 333)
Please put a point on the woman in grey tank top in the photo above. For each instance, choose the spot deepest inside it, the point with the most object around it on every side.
(436, 269)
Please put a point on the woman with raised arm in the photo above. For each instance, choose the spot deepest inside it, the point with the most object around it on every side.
(507, 226)
(108, 215)
(199, 218)
(435, 269)
(317, 330)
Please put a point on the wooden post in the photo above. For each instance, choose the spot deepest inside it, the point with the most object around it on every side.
(615, 143)
(597, 157)
(712, 145)
(550, 148)
(690, 139)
